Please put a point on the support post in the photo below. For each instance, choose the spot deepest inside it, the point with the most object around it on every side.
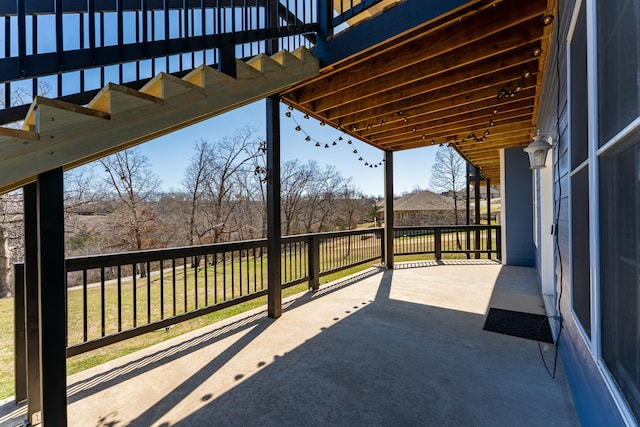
(274, 221)
(227, 62)
(388, 208)
(438, 243)
(476, 190)
(19, 334)
(274, 232)
(468, 204)
(325, 13)
(499, 242)
(51, 288)
(271, 45)
(32, 299)
(314, 263)
(488, 201)
(489, 233)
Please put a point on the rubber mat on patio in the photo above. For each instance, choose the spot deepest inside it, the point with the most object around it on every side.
(516, 323)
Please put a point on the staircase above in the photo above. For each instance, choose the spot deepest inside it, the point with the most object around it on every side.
(56, 133)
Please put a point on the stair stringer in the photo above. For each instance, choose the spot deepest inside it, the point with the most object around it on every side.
(57, 133)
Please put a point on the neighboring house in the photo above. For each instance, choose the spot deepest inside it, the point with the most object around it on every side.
(494, 193)
(424, 208)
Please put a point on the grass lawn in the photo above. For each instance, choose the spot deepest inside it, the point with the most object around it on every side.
(6, 347)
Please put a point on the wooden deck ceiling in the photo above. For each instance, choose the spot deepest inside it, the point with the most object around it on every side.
(471, 78)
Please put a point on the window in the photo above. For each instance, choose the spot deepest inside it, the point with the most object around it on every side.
(580, 276)
(578, 79)
(618, 59)
(620, 265)
(618, 68)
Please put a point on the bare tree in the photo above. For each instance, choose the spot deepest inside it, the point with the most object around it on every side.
(130, 177)
(11, 233)
(448, 175)
(214, 181)
(19, 96)
(250, 218)
(294, 182)
(196, 176)
(323, 189)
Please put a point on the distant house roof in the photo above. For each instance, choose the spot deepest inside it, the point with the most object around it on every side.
(421, 201)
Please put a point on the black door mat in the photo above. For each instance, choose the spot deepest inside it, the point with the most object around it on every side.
(524, 325)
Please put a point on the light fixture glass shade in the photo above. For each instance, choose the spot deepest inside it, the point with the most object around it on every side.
(538, 150)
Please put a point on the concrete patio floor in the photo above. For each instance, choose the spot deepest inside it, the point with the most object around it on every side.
(394, 348)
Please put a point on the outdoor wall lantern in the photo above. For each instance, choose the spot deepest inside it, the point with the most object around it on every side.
(538, 149)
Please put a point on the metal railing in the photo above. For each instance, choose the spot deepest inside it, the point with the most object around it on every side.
(467, 240)
(70, 49)
(347, 9)
(114, 297)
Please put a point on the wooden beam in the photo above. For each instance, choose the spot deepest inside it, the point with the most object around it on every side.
(459, 132)
(471, 121)
(459, 82)
(515, 138)
(416, 105)
(485, 56)
(429, 44)
(493, 141)
(483, 110)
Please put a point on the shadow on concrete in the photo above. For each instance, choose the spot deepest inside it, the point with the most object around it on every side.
(393, 362)
(435, 263)
(155, 412)
(388, 360)
(82, 389)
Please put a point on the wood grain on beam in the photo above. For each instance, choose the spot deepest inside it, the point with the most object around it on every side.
(486, 56)
(471, 121)
(428, 45)
(458, 82)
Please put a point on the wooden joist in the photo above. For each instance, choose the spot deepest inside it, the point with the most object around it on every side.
(479, 68)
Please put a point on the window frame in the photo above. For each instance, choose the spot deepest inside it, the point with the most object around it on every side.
(595, 152)
(588, 337)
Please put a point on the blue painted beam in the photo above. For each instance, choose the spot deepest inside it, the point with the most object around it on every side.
(392, 22)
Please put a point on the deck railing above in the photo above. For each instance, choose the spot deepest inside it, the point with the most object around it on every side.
(71, 49)
(347, 9)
